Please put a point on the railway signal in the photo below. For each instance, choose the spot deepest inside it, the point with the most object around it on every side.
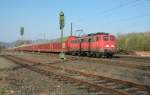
(22, 33)
(62, 24)
(71, 30)
(62, 20)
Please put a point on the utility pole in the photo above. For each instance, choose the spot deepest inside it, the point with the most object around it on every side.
(62, 24)
(71, 30)
(22, 32)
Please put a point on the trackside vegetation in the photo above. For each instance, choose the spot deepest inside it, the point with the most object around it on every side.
(134, 41)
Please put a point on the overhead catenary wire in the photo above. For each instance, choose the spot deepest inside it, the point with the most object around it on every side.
(118, 7)
(113, 10)
(129, 18)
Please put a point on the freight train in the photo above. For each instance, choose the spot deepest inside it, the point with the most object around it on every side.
(97, 45)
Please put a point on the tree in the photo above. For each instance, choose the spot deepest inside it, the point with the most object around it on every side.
(134, 41)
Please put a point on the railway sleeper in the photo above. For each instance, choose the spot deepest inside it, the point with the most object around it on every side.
(66, 82)
(91, 90)
(119, 86)
(92, 79)
(110, 84)
(123, 88)
(132, 89)
(100, 81)
(82, 87)
(77, 84)
(136, 91)
(61, 79)
(103, 93)
(33, 68)
(142, 93)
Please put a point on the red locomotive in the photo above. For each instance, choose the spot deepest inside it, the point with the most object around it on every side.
(98, 45)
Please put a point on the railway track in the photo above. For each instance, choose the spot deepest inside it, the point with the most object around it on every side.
(114, 62)
(92, 83)
(128, 62)
(120, 62)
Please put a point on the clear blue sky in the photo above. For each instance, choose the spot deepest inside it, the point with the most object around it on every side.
(40, 17)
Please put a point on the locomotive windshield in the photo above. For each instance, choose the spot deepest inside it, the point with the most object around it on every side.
(112, 38)
(106, 38)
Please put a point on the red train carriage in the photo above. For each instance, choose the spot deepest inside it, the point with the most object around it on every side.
(52, 46)
(99, 44)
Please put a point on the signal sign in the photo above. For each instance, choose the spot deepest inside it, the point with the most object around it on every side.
(62, 20)
(22, 31)
(62, 24)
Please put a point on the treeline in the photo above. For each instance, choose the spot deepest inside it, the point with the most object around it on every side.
(134, 41)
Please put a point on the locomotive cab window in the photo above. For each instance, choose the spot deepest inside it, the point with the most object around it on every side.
(112, 38)
(76, 41)
(105, 38)
(85, 40)
(92, 39)
(81, 40)
(98, 38)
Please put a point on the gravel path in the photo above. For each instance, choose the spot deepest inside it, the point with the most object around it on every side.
(6, 64)
(134, 75)
(21, 81)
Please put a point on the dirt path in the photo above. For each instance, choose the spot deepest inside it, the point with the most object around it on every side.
(16, 80)
(124, 73)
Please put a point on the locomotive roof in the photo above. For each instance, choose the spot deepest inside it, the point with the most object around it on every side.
(99, 33)
(94, 34)
(44, 42)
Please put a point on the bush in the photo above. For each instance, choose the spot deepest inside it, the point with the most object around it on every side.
(134, 41)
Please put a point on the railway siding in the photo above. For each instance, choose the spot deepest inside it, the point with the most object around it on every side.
(22, 81)
(123, 90)
(101, 67)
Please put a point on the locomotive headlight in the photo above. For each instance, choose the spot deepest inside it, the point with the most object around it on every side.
(107, 46)
(112, 46)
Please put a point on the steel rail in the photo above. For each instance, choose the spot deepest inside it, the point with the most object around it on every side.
(141, 86)
(89, 85)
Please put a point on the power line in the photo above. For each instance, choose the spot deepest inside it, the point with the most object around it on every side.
(129, 18)
(119, 6)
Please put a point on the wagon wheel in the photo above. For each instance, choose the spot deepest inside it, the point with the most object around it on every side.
(108, 55)
(72, 53)
(98, 55)
(88, 54)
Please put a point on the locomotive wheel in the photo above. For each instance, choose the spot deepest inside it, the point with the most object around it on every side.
(98, 55)
(88, 54)
(73, 53)
(108, 55)
(79, 54)
(94, 55)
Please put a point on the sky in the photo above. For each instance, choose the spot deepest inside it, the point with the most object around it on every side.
(40, 18)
